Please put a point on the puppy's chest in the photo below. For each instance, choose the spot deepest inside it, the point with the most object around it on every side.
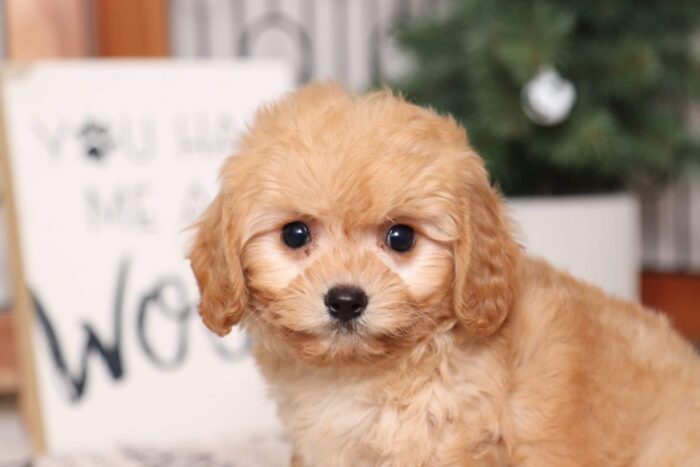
(374, 423)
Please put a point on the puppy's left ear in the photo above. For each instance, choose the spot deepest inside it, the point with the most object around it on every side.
(216, 265)
(486, 257)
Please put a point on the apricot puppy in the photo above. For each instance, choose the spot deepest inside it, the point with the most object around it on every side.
(397, 321)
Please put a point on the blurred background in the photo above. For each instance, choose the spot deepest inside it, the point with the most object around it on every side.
(587, 113)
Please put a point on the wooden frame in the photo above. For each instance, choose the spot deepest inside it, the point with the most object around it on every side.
(35, 29)
(22, 311)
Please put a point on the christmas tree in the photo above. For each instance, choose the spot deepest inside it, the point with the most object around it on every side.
(563, 96)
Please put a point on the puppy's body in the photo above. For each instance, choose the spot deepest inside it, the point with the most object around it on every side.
(572, 378)
(468, 351)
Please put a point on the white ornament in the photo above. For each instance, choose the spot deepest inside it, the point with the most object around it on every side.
(548, 97)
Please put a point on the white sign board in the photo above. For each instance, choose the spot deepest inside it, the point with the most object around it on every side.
(111, 161)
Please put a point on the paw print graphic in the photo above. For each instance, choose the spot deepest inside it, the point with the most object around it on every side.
(97, 140)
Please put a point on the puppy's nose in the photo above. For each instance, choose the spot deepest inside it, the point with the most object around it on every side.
(345, 302)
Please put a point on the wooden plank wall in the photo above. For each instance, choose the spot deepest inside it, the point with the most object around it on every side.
(8, 355)
(47, 29)
(131, 28)
(676, 294)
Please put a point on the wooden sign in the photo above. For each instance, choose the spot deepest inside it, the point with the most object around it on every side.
(109, 163)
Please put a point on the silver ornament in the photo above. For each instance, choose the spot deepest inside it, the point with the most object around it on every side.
(548, 98)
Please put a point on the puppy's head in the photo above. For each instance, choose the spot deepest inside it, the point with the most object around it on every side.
(350, 228)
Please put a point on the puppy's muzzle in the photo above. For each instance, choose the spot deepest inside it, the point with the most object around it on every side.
(345, 302)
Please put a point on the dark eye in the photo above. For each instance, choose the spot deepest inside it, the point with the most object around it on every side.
(295, 234)
(400, 238)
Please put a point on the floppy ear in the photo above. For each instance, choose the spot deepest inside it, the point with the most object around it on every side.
(486, 259)
(215, 262)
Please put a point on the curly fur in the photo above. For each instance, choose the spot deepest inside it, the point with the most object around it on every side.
(470, 353)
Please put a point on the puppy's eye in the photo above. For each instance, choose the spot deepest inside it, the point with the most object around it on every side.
(400, 238)
(295, 234)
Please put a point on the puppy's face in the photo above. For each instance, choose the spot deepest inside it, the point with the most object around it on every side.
(348, 229)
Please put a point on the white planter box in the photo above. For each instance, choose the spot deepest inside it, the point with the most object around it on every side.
(596, 237)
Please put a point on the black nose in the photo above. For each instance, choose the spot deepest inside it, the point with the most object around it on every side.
(345, 302)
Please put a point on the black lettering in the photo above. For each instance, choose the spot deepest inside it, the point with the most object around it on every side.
(177, 312)
(75, 383)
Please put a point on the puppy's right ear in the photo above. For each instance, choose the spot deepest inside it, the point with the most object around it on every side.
(216, 265)
(486, 256)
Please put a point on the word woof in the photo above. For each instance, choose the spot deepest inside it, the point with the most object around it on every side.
(166, 299)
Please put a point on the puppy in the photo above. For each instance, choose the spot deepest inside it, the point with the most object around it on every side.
(397, 321)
